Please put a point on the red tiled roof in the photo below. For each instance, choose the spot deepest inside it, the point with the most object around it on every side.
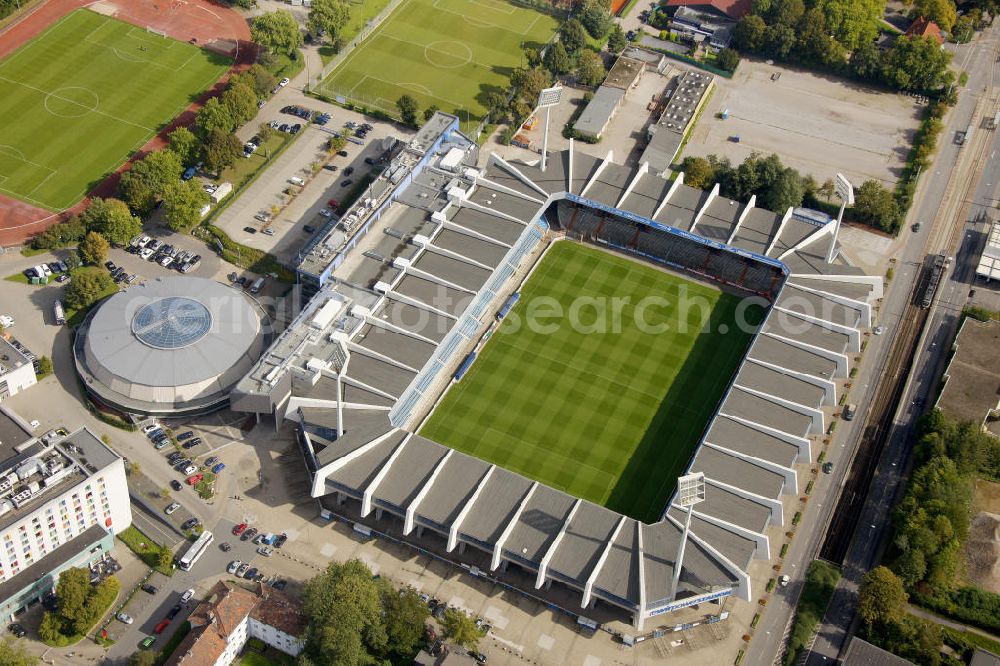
(222, 610)
(734, 9)
(924, 28)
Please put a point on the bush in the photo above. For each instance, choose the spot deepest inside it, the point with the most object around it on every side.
(821, 579)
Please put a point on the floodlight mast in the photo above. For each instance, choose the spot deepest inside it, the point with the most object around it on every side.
(547, 98)
(845, 191)
(690, 491)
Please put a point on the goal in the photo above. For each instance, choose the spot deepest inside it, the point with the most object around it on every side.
(161, 33)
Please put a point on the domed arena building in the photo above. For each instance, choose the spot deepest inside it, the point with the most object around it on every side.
(173, 346)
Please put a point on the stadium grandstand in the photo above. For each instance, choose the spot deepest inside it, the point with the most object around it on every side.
(402, 300)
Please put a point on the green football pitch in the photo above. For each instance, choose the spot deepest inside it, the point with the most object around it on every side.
(447, 53)
(82, 96)
(609, 412)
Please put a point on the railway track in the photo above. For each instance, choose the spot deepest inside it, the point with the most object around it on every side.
(944, 237)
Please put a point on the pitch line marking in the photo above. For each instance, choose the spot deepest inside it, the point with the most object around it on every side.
(436, 4)
(103, 113)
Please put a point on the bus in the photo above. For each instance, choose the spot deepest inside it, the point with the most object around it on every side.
(59, 313)
(196, 550)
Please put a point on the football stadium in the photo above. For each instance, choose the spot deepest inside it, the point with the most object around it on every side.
(471, 375)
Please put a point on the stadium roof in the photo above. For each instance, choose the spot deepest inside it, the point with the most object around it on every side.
(170, 344)
(359, 394)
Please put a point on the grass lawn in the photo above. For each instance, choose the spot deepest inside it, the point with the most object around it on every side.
(450, 53)
(144, 547)
(84, 95)
(821, 579)
(255, 659)
(610, 416)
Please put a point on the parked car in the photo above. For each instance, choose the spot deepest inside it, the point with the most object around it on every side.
(239, 529)
(161, 626)
(265, 551)
(330, 167)
(283, 82)
(162, 444)
(348, 171)
(251, 572)
(194, 478)
(185, 435)
(147, 642)
(173, 506)
(176, 485)
(342, 153)
(150, 589)
(146, 429)
(249, 230)
(346, 183)
(233, 566)
(243, 569)
(218, 468)
(18, 630)
(186, 597)
(190, 523)
(279, 584)
(308, 228)
(333, 203)
(249, 534)
(827, 467)
(174, 611)
(190, 470)
(211, 460)
(280, 541)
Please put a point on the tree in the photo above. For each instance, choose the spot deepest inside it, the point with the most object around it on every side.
(408, 107)
(876, 205)
(590, 68)
(529, 82)
(430, 111)
(142, 658)
(749, 33)
(596, 20)
(785, 191)
(93, 249)
(917, 63)
(344, 607)
(852, 22)
(405, 615)
(86, 287)
(728, 59)
(112, 219)
(12, 654)
(214, 116)
(73, 588)
(827, 189)
(557, 60)
(461, 628)
(617, 41)
(182, 204)
(573, 36)
(941, 12)
(786, 12)
(221, 150)
(263, 80)
(184, 144)
(866, 62)
(60, 235)
(44, 366)
(164, 558)
(328, 16)
(698, 172)
(241, 101)
(142, 185)
(496, 105)
(779, 40)
(881, 598)
(814, 43)
(964, 29)
(50, 628)
(278, 32)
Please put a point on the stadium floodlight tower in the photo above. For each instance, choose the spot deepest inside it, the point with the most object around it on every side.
(690, 491)
(845, 191)
(548, 98)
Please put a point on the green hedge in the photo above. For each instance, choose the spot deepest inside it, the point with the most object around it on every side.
(171, 645)
(258, 261)
(821, 579)
(970, 605)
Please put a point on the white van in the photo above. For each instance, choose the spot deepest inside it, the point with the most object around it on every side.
(295, 180)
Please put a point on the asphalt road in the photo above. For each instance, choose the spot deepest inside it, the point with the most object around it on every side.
(768, 641)
(959, 233)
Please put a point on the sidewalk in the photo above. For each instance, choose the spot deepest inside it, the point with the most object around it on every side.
(951, 624)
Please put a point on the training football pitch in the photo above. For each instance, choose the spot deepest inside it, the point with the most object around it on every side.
(446, 53)
(82, 96)
(608, 412)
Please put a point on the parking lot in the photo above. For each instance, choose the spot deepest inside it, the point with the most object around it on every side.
(816, 124)
(276, 207)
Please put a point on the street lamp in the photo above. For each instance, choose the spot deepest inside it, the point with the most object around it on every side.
(547, 98)
(845, 191)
